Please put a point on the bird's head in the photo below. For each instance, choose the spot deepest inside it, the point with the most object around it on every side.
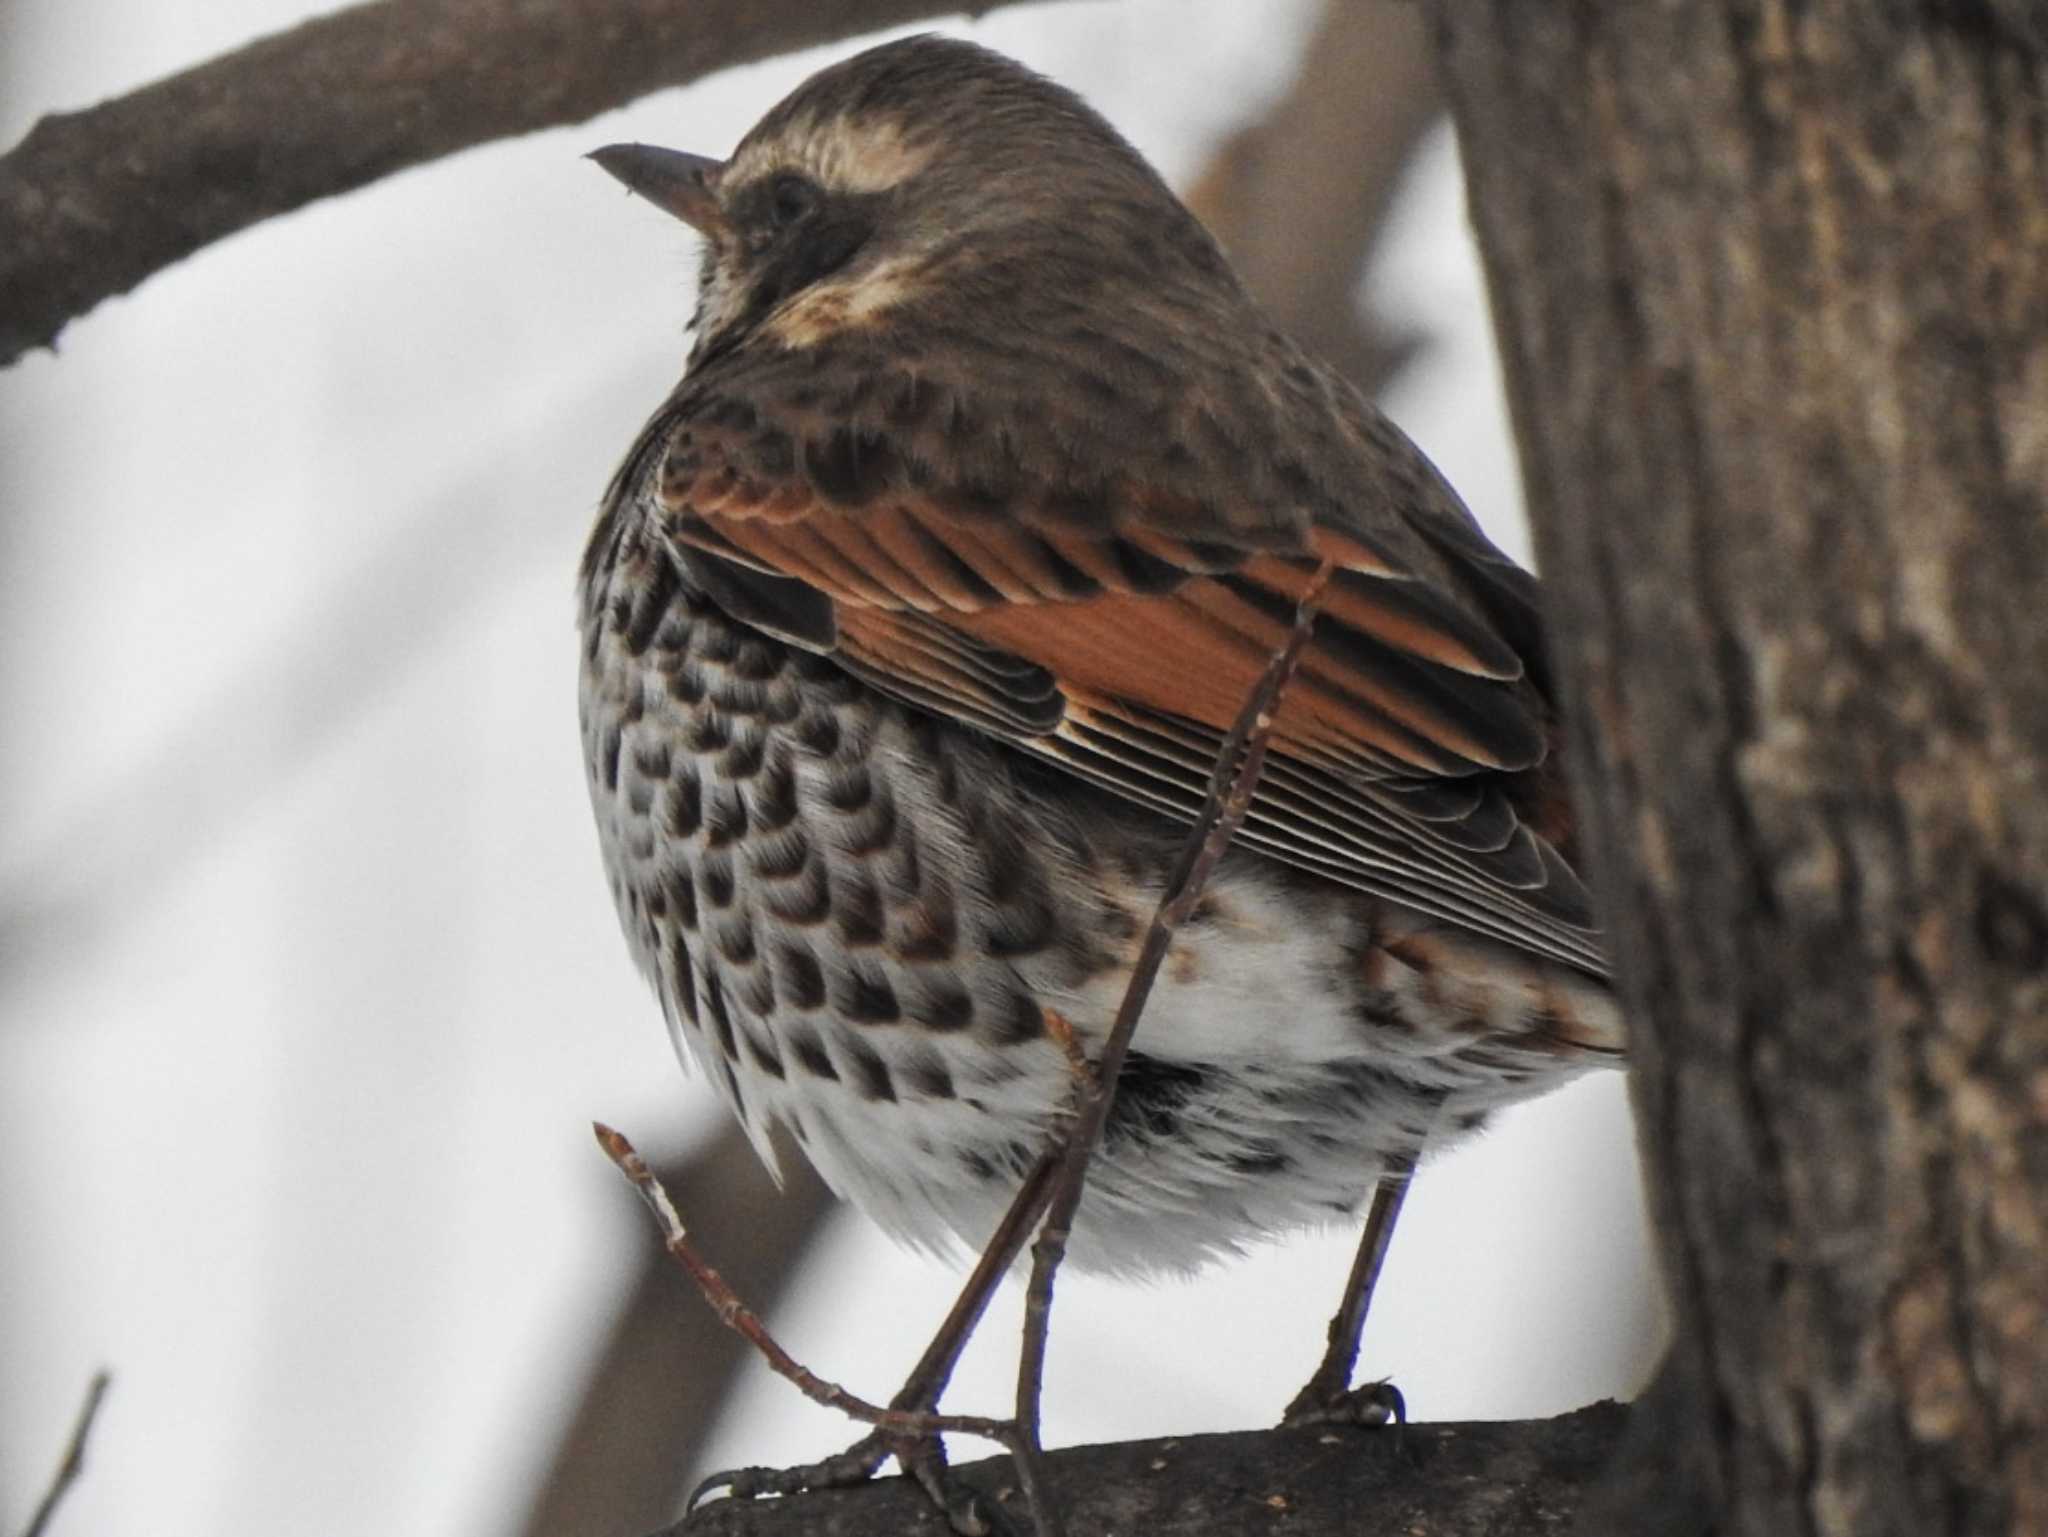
(923, 173)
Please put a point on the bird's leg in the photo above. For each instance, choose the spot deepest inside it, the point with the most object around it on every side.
(1328, 1397)
(920, 1455)
(934, 1369)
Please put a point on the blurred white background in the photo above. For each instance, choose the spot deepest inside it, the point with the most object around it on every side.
(309, 982)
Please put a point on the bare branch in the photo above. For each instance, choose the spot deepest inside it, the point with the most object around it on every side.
(664, 1373)
(1460, 1480)
(74, 1456)
(734, 1313)
(93, 202)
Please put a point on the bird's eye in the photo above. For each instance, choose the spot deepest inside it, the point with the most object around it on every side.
(791, 200)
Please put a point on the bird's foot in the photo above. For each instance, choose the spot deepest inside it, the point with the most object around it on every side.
(1370, 1403)
(922, 1458)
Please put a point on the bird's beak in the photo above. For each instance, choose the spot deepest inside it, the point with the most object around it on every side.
(676, 183)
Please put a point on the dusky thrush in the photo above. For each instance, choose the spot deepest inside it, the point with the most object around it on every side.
(912, 624)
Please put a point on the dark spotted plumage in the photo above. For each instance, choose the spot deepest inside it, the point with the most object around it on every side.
(912, 623)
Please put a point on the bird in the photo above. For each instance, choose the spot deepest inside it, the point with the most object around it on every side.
(912, 622)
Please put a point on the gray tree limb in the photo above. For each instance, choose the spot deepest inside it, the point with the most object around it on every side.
(92, 202)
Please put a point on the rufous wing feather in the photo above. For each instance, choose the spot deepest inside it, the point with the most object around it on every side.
(1118, 633)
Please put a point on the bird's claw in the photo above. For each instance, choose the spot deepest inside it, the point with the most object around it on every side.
(1370, 1403)
(966, 1510)
(842, 1470)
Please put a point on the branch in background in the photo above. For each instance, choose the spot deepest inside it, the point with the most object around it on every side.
(93, 202)
(73, 1463)
(658, 1382)
(1300, 198)
(1460, 1480)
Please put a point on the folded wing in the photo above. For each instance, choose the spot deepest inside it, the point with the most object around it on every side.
(1114, 624)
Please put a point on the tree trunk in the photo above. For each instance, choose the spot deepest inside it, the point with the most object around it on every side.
(1771, 285)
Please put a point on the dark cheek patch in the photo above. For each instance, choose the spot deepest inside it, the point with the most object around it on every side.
(818, 252)
(806, 256)
(789, 264)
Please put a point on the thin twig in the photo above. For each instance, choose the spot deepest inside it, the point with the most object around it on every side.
(662, 1374)
(734, 1313)
(923, 1388)
(1231, 787)
(74, 1455)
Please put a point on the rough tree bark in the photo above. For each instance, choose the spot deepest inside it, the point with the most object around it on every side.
(1771, 283)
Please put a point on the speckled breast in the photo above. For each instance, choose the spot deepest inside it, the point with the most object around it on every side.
(849, 912)
(857, 916)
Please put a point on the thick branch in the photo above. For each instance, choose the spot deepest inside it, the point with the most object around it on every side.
(93, 202)
(1526, 1478)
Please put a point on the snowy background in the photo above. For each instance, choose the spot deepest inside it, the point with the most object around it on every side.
(309, 982)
